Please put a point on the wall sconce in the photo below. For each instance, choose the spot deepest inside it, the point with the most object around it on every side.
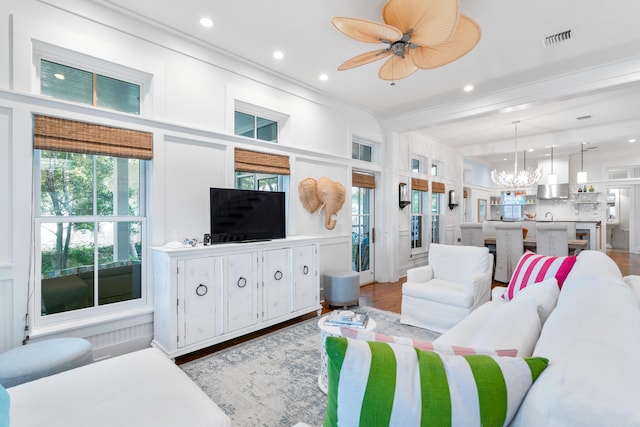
(453, 199)
(403, 195)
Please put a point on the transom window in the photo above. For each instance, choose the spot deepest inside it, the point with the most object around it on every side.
(73, 84)
(256, 127)
(360, 151)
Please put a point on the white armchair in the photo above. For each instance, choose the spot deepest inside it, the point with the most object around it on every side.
(456, 281)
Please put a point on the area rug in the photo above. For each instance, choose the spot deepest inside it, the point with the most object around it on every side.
(272, 381)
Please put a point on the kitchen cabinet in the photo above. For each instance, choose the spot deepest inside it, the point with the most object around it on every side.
(209, 294)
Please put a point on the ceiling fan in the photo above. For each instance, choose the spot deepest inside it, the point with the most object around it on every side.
(419, 34)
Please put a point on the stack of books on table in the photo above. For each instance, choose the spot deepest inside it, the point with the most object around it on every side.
(347, 318)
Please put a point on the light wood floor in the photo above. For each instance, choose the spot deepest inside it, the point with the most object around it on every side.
(387, 296)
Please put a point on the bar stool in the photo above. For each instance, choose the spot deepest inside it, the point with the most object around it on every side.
(509, 249)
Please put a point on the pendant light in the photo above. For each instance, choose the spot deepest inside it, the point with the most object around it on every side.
(516, 179)
(552, 178)
(582, 175)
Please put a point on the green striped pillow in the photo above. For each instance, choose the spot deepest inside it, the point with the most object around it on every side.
(382, 384)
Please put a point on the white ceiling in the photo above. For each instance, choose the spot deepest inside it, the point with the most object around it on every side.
(515, 76)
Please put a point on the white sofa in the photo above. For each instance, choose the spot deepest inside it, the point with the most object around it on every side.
(140, 389)
(591, 338)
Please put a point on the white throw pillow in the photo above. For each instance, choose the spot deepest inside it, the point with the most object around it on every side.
(517, 324)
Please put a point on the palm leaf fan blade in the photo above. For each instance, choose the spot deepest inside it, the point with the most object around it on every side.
(366, 31)
(365, 58)
(465, 38)
(432, 21)
(398, 67)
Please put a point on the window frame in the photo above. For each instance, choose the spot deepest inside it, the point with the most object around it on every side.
(96, 313)
(263, 113)
(423, 214)
(360, 144)
(59, 55)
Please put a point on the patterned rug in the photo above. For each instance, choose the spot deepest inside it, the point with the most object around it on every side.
(272, 381)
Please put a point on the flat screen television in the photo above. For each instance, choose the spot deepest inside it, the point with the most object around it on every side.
(246, 215)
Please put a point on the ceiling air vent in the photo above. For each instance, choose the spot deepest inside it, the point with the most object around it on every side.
(557, 38)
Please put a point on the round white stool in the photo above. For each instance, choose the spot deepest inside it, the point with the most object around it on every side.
(341, 288)
(331, 331)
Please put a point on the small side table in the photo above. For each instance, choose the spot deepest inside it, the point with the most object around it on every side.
(331, 331)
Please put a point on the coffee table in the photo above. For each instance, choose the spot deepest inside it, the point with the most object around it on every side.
(331, 331)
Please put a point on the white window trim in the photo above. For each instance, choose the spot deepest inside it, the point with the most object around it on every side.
(51, 323)
(280, 118)
(372, 145)
(49, 52)
(426, 224)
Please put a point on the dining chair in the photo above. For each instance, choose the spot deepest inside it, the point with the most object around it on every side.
(552, 239)
(509, 249)
(471, 234)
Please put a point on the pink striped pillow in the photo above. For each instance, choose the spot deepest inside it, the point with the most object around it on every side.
(447, 350)
(533, 268)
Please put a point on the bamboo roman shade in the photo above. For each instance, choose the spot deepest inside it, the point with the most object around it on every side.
(253, 161)
(363, 180)
(418, 184)
(52, 133)
(437, 187)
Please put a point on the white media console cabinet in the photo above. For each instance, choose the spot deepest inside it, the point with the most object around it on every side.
(205, 295)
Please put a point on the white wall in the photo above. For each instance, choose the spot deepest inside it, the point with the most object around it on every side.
(188, 105)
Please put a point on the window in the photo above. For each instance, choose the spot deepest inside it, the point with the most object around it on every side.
(91, 228)
(437, 169)
(261, 181)
(86, 87)
(436, 215)
(417, 164)
(261, 171)
(89, 219)
(418, 219)
(361, 151)
(255, 127)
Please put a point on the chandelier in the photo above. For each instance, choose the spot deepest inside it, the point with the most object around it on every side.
(517, 178)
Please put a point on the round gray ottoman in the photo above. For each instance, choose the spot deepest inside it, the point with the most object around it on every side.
(43, 358)
(341, 288)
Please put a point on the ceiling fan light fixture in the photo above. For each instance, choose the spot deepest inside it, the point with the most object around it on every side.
(423, 34)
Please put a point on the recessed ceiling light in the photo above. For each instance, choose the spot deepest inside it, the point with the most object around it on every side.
(323, 77)
(59, 76)
(530, 150)
(278, 54)
(206, 22)
(632, 140)
(468, 88)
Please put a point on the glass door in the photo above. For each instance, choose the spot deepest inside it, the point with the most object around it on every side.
(363, 233)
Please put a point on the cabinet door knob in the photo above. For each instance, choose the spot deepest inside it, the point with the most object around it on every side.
(305, 270)
(278, 275)
(201, 290)
(242, 282)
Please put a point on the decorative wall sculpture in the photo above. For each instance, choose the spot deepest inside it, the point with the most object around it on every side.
(322, 194)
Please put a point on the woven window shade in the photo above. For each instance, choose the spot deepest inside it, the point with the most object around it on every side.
(253, 161)
(465, 194)
(51, 133)
(437, 187)
(363, 180)
(418, 184)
